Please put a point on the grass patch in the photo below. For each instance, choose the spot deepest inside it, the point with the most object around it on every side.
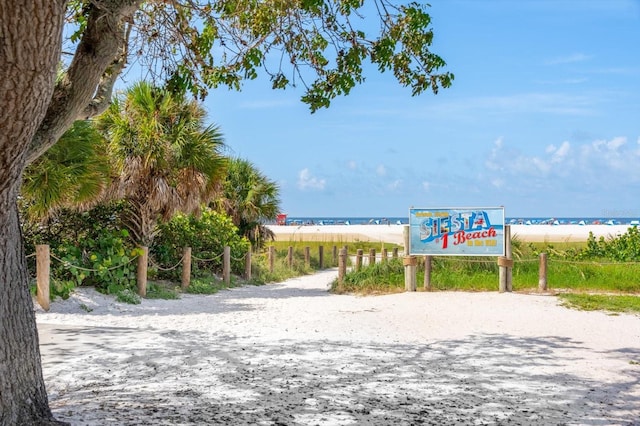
(481, 274)
(164, 290)
(597, 302)
(207, 285)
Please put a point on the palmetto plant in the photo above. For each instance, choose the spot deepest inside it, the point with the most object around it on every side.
(250, 199)
(165, 159)
(74, 173)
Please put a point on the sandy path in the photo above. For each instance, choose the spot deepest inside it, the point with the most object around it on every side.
(291, 354)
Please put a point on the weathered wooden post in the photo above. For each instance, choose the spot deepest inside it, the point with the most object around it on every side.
(359, 259)
(307, 256)
(372, 257)
(320, 257)
(394, 253)
(43, 267)
(186, 268)
(427, 273)
(410, 263)
(272, 258)
(505, 263)
(384, 255)
(141, 273)
(405, 236)
(542, 273)
(290, 256)
(507, 240)
(342, 265)
(247, 265)
(226, 265)
(334, 255)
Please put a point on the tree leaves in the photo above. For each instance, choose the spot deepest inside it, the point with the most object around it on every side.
(324, 46)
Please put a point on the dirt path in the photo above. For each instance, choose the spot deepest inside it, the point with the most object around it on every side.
(292, 354)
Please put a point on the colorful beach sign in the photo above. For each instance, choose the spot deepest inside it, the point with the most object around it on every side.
(473, 231)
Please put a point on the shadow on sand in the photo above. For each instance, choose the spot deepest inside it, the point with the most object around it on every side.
(141, 377)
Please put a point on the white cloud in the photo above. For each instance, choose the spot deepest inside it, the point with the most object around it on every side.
(352, 165)
(396, 184)
(497, 182)
(381, 170)
(426, 186)
(559, 154)
(306, 181)
(569, 59)
(596, 164)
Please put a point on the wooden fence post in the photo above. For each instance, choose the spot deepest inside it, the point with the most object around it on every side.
(290, 257)
(226, 265)
(384, 255)
(427, 273)
(272, 258)
(320, 257)
(507, 239)
(247, 265)
(394, 253)
(186, 267)
(141, 276)
(505, 274)
(542, 273)
(359, 259)
(405, 237)
(342, 265)
(334, 255)
(372, 257)
(307, 256)
(410, 263)
(43, 267)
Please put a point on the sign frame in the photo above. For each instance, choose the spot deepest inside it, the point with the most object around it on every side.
(457, 231)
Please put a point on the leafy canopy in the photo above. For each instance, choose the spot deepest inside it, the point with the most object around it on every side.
(322, 45)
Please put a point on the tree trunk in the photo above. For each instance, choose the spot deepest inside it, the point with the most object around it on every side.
(30, 42)
(23, 397)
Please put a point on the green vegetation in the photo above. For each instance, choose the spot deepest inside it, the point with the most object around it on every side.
(208, 285)
(610, 303)
(250, 199)
(164, 159)
(602, 266)
(162, 290)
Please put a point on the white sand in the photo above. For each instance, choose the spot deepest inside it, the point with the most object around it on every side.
(292, 354)
(394, 233)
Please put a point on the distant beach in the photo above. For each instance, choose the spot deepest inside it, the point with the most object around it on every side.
(393, 233)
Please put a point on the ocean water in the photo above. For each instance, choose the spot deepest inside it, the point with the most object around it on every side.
(383, 220)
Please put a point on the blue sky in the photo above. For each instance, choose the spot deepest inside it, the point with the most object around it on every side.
(543, 118)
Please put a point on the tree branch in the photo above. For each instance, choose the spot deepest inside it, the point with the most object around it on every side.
(89, 80)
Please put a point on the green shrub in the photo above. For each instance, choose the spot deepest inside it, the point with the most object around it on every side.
(207, 236)
(623, 248)
(62, 289)
(87, 248)
(128, 296)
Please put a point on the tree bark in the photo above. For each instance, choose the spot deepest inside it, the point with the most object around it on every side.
(30, 42)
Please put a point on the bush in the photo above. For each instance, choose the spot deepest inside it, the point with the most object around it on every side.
(88, 248)
(207, 236)
(624, 248)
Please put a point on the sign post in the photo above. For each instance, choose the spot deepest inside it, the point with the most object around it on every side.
(473, 231)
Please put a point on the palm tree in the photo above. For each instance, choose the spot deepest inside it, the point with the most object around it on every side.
(166, 160)
(74, 174)
(250, 199)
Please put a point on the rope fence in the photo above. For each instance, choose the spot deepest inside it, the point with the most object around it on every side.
(70, 265)
(339, 256)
